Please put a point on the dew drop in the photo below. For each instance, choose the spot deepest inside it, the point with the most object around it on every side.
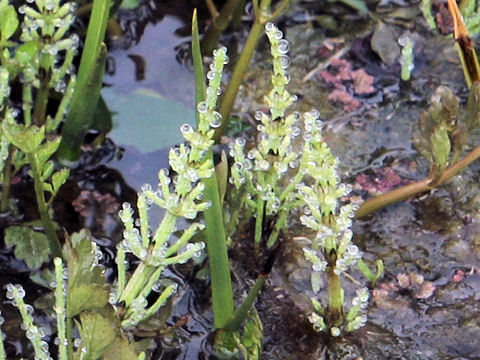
(186, 129)
(283, 46)
(202, 107)
(216, 121)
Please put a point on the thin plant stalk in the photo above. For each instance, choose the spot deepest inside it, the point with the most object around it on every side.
(49, 227)
(415, 188)
(242, 312)
(41, 100)
(60, 310)
(7, 178)
(219, 24)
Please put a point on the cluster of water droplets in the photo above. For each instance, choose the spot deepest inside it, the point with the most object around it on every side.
(137, 312)
(46, 23)
(16, 293)
(356, 317)
(4, 86)
(132, 240)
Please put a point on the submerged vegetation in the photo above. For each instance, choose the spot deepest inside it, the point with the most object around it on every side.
(280, 175)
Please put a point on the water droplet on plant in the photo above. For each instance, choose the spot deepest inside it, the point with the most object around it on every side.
(186, 129)
(216, 121)
(285, 62)
(270, 26)
(283, 46)
(202, 107)
(146, 187)
(307, 136)
(240, 141)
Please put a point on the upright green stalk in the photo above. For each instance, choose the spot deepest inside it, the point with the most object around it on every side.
(334, 314)
(6, 182)
(222, 292)
(89, 83)
(49, 227)
(3, 356)
(41, 100)
(60, 310)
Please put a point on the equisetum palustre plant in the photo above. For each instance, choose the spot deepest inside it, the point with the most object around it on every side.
(260, 179)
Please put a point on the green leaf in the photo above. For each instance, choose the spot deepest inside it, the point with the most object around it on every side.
(221, 172)
(30, 246)
(316, 281)
(87, 297)
(120, 349)
(440, 146)
(250, 343)
(46, 186)
(46, 150)
(86, 283)
(89, 83)
(8, 23)
(97, 333)
(197, 61)
(26, 138)
(59, 178)
(25, 53)
(369, 274)
(47, 170)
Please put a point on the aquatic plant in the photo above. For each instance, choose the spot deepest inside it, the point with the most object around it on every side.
(274, 178)
(426, 9)
(406, 58)
(43, 61)
(264, 13)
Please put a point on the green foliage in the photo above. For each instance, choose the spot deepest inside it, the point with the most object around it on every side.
(406, 59)
(250, 342)
(31, 140)
(97, 333)
(30, 245)
(90, 77)
(442, 128)
(275, 179)
(470, 10)
(426, 8)
(86, 284)
(8, 20)
(99, 326)
(215, 186)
